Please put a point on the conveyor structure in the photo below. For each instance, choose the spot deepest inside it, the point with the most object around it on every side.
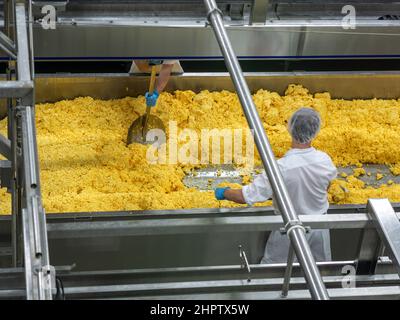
(185, 254)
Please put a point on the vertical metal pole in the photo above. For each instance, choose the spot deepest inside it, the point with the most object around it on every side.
(16, 224)
(39, 275)
(283, 203)
(30, 35)
(288, 273)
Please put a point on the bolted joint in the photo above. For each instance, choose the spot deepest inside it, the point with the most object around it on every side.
(49, 275)
(294, 224)
(214, 10)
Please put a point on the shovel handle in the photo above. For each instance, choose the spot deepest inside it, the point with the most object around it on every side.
(152, 79)
(148, 109)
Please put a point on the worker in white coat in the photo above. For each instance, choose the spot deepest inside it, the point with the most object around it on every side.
(307, 174)
(164, 69)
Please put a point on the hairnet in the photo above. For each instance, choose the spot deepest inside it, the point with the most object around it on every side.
(304, 125)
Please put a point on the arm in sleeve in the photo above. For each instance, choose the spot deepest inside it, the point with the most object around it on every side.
(258, 191)
(163, 77)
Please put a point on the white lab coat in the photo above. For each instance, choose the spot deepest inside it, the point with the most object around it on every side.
(307, 174)
(177, 68)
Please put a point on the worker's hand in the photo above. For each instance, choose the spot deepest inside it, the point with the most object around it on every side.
(151, 99)
(220, 193)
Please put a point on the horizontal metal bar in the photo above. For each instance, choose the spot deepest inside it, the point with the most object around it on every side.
(263, 268)
(15, 89)
(385, 292)
(208, 273)
(200, 225)
(212, 287)
(122, 283)
(223, 74)
(12, 294)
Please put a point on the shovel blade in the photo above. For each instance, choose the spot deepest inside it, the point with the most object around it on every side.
(136, 134)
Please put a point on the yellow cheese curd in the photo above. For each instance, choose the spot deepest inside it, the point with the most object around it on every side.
(86, 166)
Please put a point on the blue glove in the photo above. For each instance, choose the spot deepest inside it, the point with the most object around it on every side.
(219, 193)
(151, 99)
(153, 62)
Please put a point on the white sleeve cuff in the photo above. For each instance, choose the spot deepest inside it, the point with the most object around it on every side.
(246, 196)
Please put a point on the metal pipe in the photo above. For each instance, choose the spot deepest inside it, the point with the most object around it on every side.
(148, 109)
(288, 273)
(23, 59)
(245, 262)
(30, 34)
(284, 205)
(6, 49)
(31, 148)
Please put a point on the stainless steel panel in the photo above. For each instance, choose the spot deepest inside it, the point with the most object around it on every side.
(126, 42)
(341, 85)
(335, 41)
(135, 250)
(140, 242)
(167, 242)
(175, 226)
(279, 39)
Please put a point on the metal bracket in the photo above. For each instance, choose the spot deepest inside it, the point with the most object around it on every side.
(37, 6)
(259, 11)
(5, 174)
(209, 13)
(245, 262)
(49, 279)
(292, 225)
(288, 273)
(236, 11)
(369, 249)
(388, 228)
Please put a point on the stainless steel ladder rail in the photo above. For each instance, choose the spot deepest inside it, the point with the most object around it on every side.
(387, 225)
(293, 226)
(30, 246)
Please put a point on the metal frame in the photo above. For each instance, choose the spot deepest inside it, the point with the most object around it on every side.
(29, 234)
(224, 282)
